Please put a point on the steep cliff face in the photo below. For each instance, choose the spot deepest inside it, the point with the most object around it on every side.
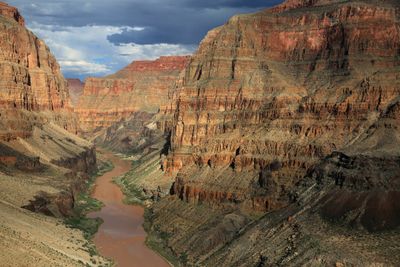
(37, 125)
(269, 94)
(32, 88)
(11, 13)
(141, 86)
(43, 164)
(35, 104)
(286, 125)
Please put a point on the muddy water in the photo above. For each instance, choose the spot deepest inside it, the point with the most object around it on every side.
(121, 237)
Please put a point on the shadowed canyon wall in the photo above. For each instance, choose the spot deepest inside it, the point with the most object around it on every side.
(44, 166)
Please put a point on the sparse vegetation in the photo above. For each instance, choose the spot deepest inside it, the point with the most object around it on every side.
(133, 194)
(88, 226)
(85, 204)
(158, 245)
(157, 240)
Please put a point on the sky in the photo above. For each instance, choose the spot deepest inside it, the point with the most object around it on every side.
(99, 37)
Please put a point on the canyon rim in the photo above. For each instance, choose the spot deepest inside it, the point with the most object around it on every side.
(275, 142)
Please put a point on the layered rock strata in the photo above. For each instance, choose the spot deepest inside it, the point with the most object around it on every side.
(35, 105)
(283, 141)
(32, 88)
(285, 87)
(38, 145)
(141, 86)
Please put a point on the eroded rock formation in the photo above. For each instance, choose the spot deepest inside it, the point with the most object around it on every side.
(37, 123)
(11, 13)
(289, 84)
(44, 166)
(292, 115)
(32, 88)
(141, 86)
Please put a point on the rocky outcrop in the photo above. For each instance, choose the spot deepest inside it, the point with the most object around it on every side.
(83, 162)
(37, 125)
(141, 86)
(366, 190)
(286, 123)
(75, 87)
(12, 158)
(289, 84)
(11, 13)
(32, 88)
(130, 135)
(348, 199)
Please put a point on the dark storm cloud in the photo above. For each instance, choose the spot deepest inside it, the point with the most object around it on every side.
(166, 21)
(229, 3)
(98, 37)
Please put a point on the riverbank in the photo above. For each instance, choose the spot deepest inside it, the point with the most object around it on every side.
(121, 237)
(84, 204)
(144, 185)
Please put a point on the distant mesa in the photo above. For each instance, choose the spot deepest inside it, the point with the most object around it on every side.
(140, 86)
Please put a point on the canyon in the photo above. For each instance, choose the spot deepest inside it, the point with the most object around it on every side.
(121, 235)
(277, 143)
(142, 86)
(282, 141)
(44, 165)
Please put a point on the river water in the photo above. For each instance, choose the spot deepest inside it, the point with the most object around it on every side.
(121, 237)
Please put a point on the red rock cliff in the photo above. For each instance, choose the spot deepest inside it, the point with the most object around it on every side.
(32, 88)
(269, 94)
(12, 13)
(141, 86)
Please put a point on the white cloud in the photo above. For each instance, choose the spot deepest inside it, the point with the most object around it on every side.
(83, 67)
(86, 50)
(152, 51)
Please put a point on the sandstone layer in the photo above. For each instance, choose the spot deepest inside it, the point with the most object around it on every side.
(141, 86)
(285, 140)
(285, 87)
(32, 88)
(43, 164)
(11, 13)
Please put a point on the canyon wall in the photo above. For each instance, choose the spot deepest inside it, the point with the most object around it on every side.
(35, 104)
(141, 86)
(269, 94)
(11, 13)
(32, 88)
(44, 166)
(285, 140)
(37, 122)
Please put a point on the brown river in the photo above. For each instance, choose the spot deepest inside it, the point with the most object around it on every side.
(121, 237)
